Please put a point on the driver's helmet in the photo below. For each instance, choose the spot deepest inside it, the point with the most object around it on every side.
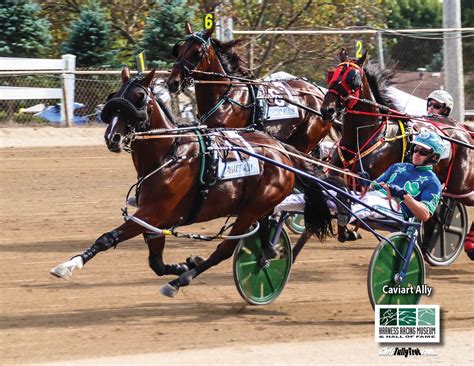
(432, 141)
(443, 97)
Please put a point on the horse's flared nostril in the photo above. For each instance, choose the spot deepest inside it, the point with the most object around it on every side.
(116, 138)
(328, 113)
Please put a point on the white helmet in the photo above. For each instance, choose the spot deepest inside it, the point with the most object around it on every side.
(442, 96)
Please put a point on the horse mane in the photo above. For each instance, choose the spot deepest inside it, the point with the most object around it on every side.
(166, 110)
(230, 60)
(380, 80)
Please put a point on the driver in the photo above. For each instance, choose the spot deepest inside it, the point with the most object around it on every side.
(413, 186)
(439, 103)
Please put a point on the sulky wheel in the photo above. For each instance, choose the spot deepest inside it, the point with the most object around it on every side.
(442, 237)
(258, 281)
(386, 264)
(295, 223)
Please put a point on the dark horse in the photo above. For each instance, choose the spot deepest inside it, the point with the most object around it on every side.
(168, 196)
(382, 141)
(226, 93)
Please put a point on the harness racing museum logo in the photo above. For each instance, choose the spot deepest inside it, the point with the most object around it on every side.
(407, 324)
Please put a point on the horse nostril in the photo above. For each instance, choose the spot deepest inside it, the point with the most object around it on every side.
(116, 138)
(327, 112)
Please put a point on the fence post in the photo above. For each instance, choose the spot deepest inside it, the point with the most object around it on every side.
(378, 36)
(453, 67)
(68, 85)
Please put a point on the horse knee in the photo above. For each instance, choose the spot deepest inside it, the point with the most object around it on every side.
(157, 265)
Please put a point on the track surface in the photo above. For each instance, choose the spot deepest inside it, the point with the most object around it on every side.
(56, 201)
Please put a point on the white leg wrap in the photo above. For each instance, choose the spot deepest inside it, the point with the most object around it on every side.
(64, 270)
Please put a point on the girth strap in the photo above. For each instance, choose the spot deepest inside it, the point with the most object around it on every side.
(207, 176)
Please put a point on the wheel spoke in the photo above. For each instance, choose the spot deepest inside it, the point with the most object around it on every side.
(442, 246)
(455, 230)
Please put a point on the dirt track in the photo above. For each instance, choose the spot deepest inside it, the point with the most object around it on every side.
(57, 201)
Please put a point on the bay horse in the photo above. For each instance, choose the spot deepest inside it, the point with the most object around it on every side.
(381, 141)
(169, 194)
(226, 92)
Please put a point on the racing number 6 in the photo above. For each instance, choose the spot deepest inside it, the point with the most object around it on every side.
(209, 21)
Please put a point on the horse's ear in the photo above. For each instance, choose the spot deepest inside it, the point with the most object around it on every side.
(146, 82)
(125, 75)
(361, 60)
(187, 28)
(343, 55)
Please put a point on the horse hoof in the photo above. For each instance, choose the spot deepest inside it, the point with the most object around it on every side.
(61, 271)
(353, 235)
(169, 290)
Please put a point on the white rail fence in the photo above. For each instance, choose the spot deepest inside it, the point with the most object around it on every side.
(65, 65)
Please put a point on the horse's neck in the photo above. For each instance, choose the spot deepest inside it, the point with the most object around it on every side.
(208, 96)
(148, 155)
(360, 127)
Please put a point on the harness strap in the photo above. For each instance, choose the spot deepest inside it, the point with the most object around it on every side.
(204, 181)
(359, 155)
(213, 110)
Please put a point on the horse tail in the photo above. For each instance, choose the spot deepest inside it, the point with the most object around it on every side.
(317, 216)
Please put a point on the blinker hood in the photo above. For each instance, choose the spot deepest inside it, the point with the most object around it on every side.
(123, 107)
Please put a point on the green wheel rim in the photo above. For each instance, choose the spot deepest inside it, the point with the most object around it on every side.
(257, 284)
(386, 263)
(295, 223)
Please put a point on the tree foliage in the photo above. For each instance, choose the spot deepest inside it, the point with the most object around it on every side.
(23, 32)
(303, 55)
(89, 38)
(127, 20)
(406, 14)
(164, 26)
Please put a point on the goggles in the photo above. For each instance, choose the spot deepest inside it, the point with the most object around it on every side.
(435, 105)
(421, 151)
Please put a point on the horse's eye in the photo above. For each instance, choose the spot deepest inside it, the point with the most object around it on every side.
(141, 100)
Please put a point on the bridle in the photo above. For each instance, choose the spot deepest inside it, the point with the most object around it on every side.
(136, 116)
(346, 81)
(187, 67)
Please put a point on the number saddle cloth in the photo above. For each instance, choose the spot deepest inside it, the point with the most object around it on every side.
(232, 164)
(269, 98)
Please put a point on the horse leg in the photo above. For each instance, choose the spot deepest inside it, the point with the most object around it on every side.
(223, 251)
(106, 241)
(156, 245)
(264, 233)
(303, 239)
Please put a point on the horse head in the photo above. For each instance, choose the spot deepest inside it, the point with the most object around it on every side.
(128, 110)
(345, 85)
(191, 54)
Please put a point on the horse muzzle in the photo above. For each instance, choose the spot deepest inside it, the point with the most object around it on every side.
(328, 113)
(116, 143)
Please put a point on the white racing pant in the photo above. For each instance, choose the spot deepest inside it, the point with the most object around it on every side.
(295, 203)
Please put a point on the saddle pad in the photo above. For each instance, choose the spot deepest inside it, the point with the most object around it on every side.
(277, 108)
(235, 165)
